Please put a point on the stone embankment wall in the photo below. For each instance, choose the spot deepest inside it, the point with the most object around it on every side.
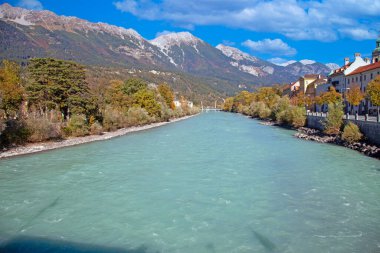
(370, 129)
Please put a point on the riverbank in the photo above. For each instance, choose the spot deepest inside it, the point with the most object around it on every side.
(31, 148)
(318, 136)
(311, 134)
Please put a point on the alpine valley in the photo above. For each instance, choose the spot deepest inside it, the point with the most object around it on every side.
(184, 61)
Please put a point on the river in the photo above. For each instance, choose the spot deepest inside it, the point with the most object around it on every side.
(217, 182)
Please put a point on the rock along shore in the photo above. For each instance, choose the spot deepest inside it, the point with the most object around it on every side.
(318, 136)
(50, 145)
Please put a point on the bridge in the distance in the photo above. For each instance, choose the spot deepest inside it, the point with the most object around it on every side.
(208, 108)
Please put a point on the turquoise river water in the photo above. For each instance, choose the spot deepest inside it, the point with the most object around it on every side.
(217, 182)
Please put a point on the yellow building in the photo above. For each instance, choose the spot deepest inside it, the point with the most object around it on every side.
(306, 80)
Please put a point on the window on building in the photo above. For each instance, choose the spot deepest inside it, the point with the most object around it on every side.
(353, 80)
(356, 79)
(365, 77)
(360, 78)
(348, 81)
(371, 76)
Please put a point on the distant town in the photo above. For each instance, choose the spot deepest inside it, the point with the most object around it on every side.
(354, 73)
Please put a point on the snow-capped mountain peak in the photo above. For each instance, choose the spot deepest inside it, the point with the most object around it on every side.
(332, 66)
(171, 39)
(307, 62)
(284, 64)
(235, 53)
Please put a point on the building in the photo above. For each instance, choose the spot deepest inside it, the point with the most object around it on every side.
(306, 80)
(311, 90)
(361, 77)
(291, 89)
(178, 103)
(337, 78)
(376, 52)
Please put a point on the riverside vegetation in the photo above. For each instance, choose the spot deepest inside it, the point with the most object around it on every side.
(51, 99)
(270, 104)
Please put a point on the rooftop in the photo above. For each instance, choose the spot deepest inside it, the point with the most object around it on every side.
(340, 70)
(366, 68)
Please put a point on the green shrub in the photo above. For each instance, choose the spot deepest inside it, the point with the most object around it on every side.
(138, 116)
(96, 128)
(334, 119)
(42, 129)
(15, 133)
(263, 111)
(279, 110)
(296, 116)
(77, 126)
(113, 119)
(166, 113)
(351, 133)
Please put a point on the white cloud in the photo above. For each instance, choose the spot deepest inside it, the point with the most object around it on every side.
(301, 20)
(273, 47)
(358, 33)
(30, 4)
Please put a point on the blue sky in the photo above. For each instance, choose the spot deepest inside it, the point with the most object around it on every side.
(280, 30)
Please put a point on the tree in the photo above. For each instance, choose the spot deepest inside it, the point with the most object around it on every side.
(351, 133)
(354, 95)
(334, 119)
(301, 100)
(373, 92)
(331, 96)
(167, 94)
(57, 84)
(11, 90)
(227, 105)
(268, 95)
(116, 96)
(146, 99)
(133, 85)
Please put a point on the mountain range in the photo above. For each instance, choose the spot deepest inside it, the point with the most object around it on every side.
(28, 33)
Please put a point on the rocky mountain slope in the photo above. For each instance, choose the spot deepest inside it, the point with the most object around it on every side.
(27, 33)
(265, 69)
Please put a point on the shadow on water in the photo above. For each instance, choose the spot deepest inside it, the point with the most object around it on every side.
(39, 213)
(264, 241)
(210, 247)
(26, 244)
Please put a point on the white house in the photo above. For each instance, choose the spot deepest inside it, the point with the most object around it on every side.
(337, 77)
(178, 103)
(361, 77)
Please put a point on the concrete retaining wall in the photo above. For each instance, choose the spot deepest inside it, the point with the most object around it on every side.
(370, 129)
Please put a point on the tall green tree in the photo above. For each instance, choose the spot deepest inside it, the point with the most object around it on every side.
(331, 96)
(11, 90)
(57, 84)
(117, 97)
(146, 99)
(354, 95)
(334, 119)
(133, 85)
(167, 94)
(373, 92)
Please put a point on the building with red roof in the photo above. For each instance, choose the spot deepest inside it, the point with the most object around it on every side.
(361, 77)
